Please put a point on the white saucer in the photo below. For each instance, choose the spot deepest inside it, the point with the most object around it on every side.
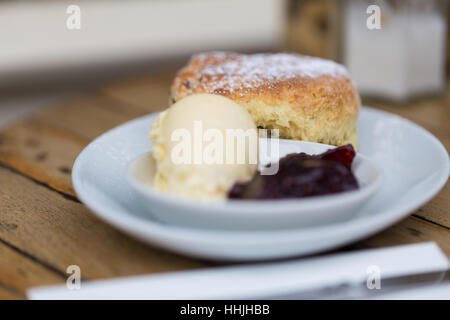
(414, 164)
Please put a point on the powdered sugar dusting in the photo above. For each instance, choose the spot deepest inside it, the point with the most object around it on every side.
(239, 72)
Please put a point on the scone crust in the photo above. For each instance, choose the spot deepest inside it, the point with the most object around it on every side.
(305, 98)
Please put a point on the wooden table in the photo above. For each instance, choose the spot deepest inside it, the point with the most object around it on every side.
(44, 228)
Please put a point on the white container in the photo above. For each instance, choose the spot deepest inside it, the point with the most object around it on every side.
(405, 57)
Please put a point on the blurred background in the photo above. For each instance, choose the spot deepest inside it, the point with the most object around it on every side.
(51, 49)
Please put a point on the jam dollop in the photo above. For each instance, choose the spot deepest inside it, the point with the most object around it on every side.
(302, 175)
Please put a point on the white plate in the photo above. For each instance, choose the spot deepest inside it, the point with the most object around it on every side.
(258, 214)
(414, 164)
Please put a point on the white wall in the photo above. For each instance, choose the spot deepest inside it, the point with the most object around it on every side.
(34, 36)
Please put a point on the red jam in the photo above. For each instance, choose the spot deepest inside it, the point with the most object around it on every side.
(301, 175)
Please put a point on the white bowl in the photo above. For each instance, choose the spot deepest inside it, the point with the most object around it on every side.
(258, 214)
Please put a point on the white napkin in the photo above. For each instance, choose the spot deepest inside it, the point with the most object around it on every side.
(262, 280)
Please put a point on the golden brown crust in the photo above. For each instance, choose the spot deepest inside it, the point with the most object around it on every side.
(306, 98)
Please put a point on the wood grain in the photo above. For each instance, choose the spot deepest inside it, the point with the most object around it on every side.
(7, 293)
(60, 232)
(41, 152)
(438, 209)
(85, 117)
(141, 95)
(19, 272)
(45, 146)
(410, 230)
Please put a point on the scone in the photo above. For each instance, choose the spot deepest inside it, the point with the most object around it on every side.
(306, 98)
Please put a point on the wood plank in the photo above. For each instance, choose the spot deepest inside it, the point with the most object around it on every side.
(86, 117)
(410, 230)
(141, 95)
(18, 272)
(41, 152)
(45, 146)
(6, 294)
(438, 210)
(61, 232)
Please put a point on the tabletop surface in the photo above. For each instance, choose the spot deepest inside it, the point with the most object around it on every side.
(44, 228)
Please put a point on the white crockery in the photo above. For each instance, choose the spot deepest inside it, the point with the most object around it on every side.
(258, 214)
(414, 165)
